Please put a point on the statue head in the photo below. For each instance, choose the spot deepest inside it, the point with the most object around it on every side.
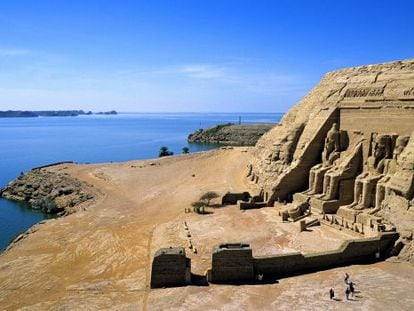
(331, 139)
(400, 144)
(329, 145)
(382, 148)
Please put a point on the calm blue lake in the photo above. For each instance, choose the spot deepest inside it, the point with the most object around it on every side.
(29, 142)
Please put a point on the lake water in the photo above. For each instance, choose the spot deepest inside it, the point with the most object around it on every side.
(29, 142)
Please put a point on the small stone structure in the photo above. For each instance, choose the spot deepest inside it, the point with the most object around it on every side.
(170, 267)
(231, 198)
(295, 211)
(231, 263)
(250, 205)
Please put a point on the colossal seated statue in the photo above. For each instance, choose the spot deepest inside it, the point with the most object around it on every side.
(330, 154)
(389, 171)
(283, 150)
(365, 183)
(402, 182)
(346, 169)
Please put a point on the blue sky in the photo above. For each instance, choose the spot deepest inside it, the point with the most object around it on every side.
(178, 56)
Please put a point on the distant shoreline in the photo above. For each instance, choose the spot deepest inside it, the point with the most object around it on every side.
(50, 113)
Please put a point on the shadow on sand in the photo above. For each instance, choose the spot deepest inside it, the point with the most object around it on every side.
(201, 280)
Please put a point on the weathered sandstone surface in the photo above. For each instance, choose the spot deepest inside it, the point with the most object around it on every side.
(347, 148)
(52, 192)
(231, 134)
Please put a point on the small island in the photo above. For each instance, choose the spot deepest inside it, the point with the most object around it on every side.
(50, 113)
(231, 134)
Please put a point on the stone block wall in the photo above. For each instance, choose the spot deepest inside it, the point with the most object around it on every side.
(234, 263)
(170, 267)
(352, 251)
(231, 263)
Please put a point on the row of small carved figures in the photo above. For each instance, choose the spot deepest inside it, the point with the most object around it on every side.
(333, 221)
(342, 223)
(378, 91)
(362, 92)
(190, 243)
(409, 92)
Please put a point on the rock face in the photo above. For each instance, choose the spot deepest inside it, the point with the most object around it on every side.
(49, 191)
(231, 134)
(347, 149)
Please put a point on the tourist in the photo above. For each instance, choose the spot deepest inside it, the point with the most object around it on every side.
(346, 278)
(347, 291)
(351, 288)
(331, 293)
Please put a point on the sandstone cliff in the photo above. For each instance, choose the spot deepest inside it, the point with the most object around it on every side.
(288, 142)
(51, 192)
(231, 134)
(372, 107)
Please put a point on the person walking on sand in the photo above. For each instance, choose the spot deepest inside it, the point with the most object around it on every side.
(351, 288)
(347, 291)
(331, 293)
(346, 278)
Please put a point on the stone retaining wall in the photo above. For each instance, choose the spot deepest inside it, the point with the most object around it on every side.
(232, 265)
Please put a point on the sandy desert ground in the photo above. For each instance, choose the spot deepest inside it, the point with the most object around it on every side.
(101, 258)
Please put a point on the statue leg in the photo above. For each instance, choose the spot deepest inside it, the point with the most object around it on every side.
(366, 194)
(379, 197)
(334, 188)
(357, 193)
(311, 181)
(326, 183)
(319, 180)
(326, 186)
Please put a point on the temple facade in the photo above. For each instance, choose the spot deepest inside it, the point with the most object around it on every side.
(346, 151)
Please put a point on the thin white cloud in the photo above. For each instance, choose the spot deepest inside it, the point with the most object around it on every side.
(14, 52)
(50, 82)
(242, 77)
(204, 77)
(202, 71)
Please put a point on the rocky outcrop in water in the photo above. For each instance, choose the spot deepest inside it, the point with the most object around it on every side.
(51, 192)
(231, 134)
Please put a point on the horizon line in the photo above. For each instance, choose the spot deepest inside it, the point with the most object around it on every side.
(152, 112)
